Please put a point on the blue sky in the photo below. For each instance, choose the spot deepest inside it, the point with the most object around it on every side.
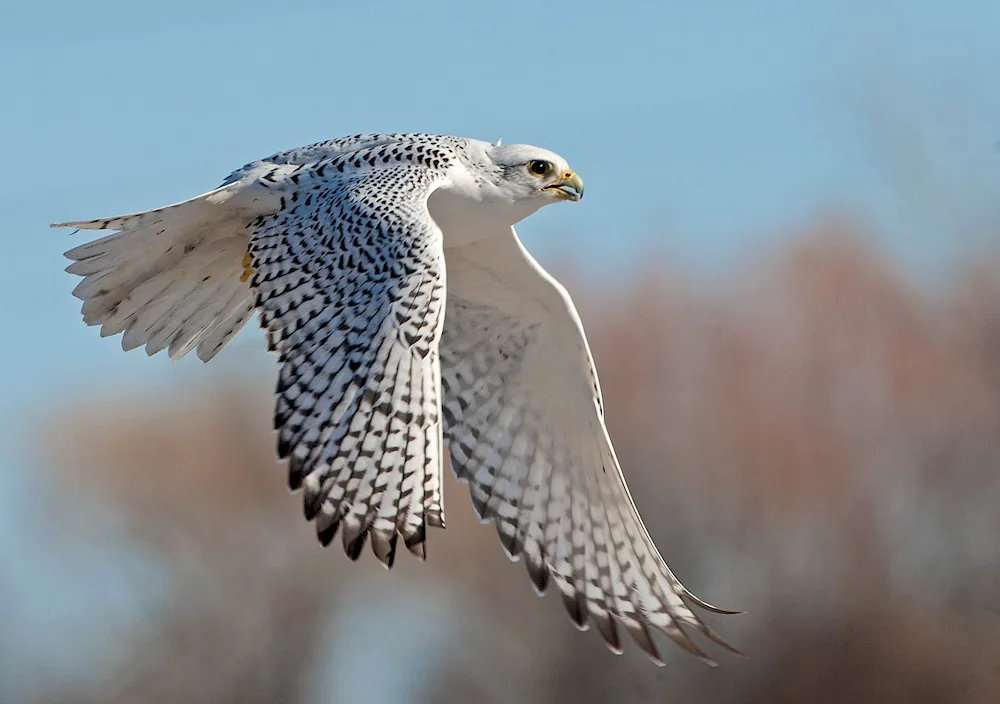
(700, 128)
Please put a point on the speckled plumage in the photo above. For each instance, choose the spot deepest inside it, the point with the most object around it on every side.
(405, 313)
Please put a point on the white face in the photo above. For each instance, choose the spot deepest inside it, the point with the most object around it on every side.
(521, 179)
(528, 172)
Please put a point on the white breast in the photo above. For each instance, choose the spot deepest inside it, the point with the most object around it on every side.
(467, 210)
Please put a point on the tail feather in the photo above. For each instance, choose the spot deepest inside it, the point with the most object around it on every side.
(173, 321)
(139, 327)
(144, 219)
(147, 298)
(226, 326)
(170, 278)
(94, 248)
(192, 330)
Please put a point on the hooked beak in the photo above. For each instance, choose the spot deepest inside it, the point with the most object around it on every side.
(568, 186)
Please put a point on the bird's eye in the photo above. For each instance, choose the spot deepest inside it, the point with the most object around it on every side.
(539, 167)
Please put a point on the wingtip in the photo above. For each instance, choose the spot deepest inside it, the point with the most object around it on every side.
(576, 607)
(416, 542)
(326, 529)
(689, 646)
(720, 641)
(640, 635)
(605, 624)
(702, 604)
(418, 550)
(356, 546)
(709, 633)
(538, 575)
(384, 547)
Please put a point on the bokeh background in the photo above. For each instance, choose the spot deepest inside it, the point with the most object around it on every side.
(788, 262)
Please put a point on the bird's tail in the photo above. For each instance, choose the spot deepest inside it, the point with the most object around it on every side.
(173, 278)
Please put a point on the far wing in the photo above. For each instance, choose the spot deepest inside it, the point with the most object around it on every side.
(525, 428)
(350, 284)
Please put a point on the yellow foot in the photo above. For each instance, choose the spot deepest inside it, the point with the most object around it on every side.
(247, 271)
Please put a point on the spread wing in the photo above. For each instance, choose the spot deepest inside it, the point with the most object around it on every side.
(349, 279)
(524, 422)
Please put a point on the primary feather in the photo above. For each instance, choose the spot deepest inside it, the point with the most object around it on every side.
(347, 248)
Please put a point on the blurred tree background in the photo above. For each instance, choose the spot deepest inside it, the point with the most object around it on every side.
(813, 438)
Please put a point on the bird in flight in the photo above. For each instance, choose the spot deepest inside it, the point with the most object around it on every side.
(409, 321)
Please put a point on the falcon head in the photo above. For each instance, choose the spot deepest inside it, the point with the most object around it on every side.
(528, 172)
